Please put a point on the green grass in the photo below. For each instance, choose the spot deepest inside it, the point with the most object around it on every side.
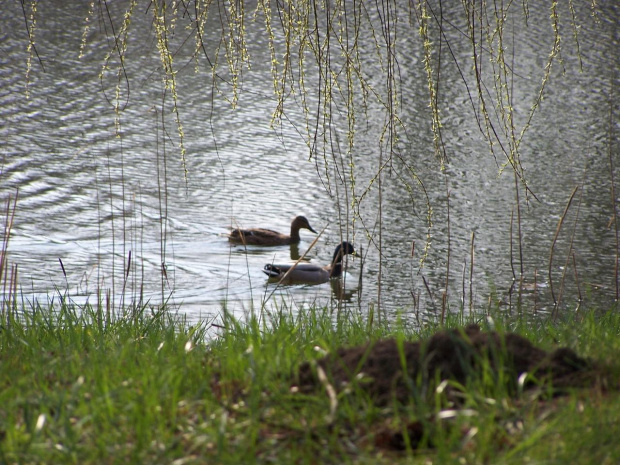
(147, 387)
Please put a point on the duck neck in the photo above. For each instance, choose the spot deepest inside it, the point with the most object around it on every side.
(336, 269)
(295, 232)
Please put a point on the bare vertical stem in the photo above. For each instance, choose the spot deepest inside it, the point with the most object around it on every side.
(162, 181)
(444, 297)
(571, 252)
(535, 290)
(14, 281)
(125, 278)
(430, 294)
(8, 225)
(512, 263)
(141, 291)
(359, 279)
(471, 273)
(463, 284)
(579, 297)
(555, 239)
(380, 177)
(519, 237)
(613, 189)
(112, 219)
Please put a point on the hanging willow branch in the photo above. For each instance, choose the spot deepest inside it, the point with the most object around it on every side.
(332, 39)
(339, 62)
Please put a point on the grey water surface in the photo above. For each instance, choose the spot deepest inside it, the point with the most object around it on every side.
(94, 203)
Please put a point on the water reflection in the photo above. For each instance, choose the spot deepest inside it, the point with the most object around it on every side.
(343, 290)
(295, 255)
(257, 250)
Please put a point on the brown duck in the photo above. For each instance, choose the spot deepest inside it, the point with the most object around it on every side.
(260, 236)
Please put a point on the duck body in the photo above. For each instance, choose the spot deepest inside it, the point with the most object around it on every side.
(261, 236)
(308, 273)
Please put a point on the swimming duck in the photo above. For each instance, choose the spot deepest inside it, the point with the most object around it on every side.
(307, 273)
(260, 236)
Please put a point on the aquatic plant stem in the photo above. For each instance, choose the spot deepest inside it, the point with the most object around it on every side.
(555, 239)
(8, 225)
(512, 262)
(519, 238)
(614, 217)
(471, 272)
(444, 296)
(570, 253)
(535, 290)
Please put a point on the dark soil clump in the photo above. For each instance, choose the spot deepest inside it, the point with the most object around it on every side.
(385, 371)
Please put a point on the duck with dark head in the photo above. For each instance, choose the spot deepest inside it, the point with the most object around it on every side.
(307, 273)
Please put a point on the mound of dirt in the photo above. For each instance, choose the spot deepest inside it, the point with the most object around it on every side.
(384, 371)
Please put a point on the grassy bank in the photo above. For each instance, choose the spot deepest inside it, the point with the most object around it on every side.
(149, 388)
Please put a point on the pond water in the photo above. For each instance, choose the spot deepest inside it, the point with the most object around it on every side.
(98, 213)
